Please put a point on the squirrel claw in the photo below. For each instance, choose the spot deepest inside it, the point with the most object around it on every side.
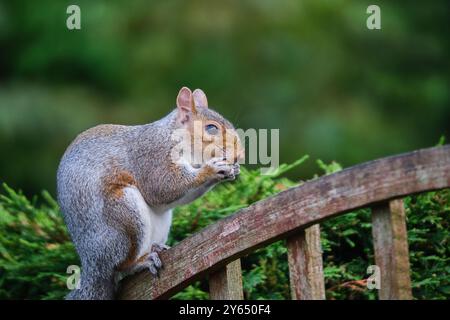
(158, 247)
(154, 263)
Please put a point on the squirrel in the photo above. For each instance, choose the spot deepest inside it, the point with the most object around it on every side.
(117, 186)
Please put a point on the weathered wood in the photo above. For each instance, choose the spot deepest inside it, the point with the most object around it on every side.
(289, 211)
(226, 283)
(391, 250)
(305, 265)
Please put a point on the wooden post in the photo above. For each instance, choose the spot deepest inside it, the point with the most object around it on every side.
(305, 265)
(391, 250)
(226, 283)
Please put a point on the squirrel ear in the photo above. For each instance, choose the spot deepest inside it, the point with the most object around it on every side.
(185, 104)
(185, 101)
(200, 99)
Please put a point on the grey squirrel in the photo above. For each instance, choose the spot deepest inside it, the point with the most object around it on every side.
(117, 186)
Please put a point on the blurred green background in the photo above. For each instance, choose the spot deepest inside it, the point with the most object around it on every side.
(336, 90)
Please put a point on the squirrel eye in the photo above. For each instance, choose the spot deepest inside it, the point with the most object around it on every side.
(211, 129)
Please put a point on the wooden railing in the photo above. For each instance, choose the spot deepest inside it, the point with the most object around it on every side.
(294, 215)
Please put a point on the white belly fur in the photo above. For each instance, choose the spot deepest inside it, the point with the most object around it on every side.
(156, 223)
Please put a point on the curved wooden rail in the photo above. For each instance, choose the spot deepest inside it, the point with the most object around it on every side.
(289, 212)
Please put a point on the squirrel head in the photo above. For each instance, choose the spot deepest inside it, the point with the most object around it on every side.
(210, 134)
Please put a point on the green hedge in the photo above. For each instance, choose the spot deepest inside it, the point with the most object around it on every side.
(35, 249)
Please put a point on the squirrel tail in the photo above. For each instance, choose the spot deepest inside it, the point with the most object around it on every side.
(94, 288)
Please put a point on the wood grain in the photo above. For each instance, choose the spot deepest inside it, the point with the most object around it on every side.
(306, 265)
(288, 212)
(391, 250)
(226, 283)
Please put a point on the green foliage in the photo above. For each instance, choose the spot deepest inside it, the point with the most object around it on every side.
(310, 68)
(35, 249)
(429, 236)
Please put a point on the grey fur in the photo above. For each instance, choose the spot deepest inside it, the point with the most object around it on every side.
(100, 225)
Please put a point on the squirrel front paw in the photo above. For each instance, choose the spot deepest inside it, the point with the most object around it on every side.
(221, 169)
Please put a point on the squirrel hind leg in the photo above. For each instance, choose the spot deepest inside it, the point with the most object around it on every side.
(100, 255)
